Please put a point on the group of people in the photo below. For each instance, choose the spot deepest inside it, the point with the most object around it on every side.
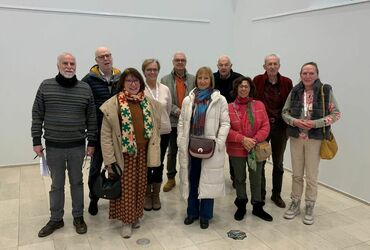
(131, 120)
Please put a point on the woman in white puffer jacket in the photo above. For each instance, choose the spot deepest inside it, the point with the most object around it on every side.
(204, 113)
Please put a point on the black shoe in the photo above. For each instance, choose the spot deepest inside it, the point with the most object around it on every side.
(259, 212)
(50, 227)
(80, 225)
(189, 220)
(204, 223)
(241, 211)
(278, 201)
(93, 207)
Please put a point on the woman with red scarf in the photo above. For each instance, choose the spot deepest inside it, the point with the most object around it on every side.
(249, 125)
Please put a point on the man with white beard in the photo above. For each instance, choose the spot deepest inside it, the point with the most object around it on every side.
(64, 113)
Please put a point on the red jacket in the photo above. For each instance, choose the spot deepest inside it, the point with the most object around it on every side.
(260, 131)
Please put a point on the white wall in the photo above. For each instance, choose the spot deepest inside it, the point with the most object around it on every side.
(337, 39)
(32, 39)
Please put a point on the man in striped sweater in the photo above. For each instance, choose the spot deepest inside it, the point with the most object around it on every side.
(103, 81)
(64, 113)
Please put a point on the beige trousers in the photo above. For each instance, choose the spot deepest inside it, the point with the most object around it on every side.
(305, 159)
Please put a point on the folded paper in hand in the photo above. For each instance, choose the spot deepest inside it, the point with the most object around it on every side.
(44, 169)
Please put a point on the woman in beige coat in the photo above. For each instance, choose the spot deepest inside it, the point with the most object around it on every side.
(130, 138)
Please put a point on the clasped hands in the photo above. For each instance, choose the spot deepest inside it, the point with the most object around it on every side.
(304, 124)
(249, 143)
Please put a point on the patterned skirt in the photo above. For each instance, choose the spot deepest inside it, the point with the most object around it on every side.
(130, 207)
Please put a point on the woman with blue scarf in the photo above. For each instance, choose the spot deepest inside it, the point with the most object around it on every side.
(204, 114)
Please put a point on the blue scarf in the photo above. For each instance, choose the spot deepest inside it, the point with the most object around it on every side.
(201, 102)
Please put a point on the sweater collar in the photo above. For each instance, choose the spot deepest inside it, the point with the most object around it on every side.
(66, 82)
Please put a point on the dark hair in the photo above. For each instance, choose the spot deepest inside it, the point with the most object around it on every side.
(312, 64)
(238, 81)
(134, 72)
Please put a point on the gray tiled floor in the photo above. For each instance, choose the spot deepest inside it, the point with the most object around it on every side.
(341, 222)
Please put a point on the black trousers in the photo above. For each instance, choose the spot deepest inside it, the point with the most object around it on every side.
(155, 174)
(95, 167)
(278, 139)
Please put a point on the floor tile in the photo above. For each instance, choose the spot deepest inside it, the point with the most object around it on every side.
(340, 222)
(8, 234)
(46, 245)
(9, 210)
(77, 242)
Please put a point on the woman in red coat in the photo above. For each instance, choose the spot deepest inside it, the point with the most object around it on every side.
(249, 125)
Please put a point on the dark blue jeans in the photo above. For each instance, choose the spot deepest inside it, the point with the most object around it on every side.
(202, 208)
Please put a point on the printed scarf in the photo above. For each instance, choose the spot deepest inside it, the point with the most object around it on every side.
(128, 136)
(201, 102)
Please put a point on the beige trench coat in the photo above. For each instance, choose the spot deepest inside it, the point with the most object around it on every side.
(111, 134)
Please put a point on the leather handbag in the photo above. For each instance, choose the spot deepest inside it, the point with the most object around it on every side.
(263, 151)
(200, 147)
(329, 146)
(109, 188)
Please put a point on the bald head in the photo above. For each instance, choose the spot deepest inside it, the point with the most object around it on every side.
(103, 58)
(224, 66)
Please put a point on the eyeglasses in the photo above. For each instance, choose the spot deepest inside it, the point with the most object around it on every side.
(104, 56)
(130, 81)
(179, 60)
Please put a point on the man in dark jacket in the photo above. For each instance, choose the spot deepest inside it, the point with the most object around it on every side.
(102, 79)
(64, 112)
(224, 79)
(273, 89)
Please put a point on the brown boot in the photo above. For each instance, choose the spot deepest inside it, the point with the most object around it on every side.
(156, 200)
(148, 201)
(171, 183)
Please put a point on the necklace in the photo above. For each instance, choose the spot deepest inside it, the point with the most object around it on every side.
(156, 96)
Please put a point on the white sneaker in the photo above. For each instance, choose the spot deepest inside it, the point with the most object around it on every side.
(126, 231)
(293, 210)
(308, 216)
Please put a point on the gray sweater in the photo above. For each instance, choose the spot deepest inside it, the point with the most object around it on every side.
(67, 114)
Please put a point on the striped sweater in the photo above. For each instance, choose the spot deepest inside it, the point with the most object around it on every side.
(66, 114)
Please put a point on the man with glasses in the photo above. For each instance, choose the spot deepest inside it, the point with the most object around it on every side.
(102, 79)
(224, 79)
(64, 113)
(180, 82)
(273, 89)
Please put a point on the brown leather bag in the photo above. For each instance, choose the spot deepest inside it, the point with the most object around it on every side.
(200, 147)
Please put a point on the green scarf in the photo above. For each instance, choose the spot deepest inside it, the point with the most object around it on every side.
(128, 136)
(252, 163)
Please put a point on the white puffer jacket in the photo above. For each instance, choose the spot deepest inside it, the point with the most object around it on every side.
(217, 125)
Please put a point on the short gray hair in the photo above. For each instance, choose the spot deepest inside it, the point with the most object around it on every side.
(59, 58)
(272, 55)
